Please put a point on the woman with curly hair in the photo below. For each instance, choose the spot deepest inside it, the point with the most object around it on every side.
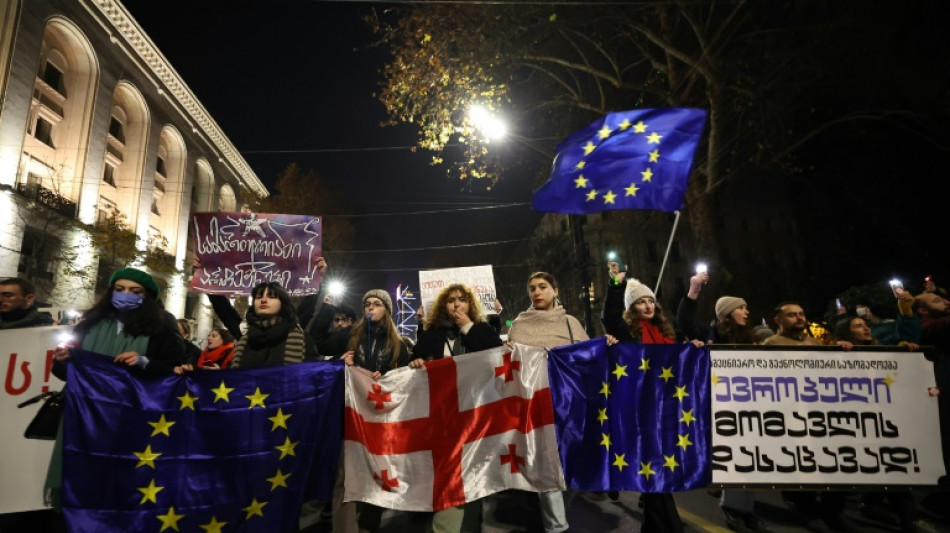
(455, 325)
(639, 318)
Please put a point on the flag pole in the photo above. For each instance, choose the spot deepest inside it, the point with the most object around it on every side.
(676, 221)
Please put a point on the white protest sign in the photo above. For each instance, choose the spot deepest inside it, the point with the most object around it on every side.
(28, 354)
(480, 279)
(818, 417)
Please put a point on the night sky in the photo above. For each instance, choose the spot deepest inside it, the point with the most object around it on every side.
(298, 77)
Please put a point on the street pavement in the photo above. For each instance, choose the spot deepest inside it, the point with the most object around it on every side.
(517, 512)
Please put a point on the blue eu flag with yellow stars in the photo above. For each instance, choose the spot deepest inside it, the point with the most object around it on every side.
(637, 159)
(632, 417)
(213, 451)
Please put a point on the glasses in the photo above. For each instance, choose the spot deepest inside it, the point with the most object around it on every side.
(341, 319)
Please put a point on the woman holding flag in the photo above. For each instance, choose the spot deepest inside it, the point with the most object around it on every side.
(546, 324)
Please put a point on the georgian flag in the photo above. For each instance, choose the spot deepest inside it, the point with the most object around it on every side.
(458, 430)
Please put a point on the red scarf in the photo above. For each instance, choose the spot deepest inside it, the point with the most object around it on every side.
(220, 356)
(651, 334)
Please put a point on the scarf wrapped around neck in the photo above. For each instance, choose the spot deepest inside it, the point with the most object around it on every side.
(651, 334)
(220, 356)
(269, 342)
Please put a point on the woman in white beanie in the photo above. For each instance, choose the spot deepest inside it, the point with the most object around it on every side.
(639, 318)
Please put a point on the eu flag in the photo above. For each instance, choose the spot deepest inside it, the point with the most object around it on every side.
(626, 160)
(632, 416)
(232, 450)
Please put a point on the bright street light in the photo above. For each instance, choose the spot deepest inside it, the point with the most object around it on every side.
(489, 125)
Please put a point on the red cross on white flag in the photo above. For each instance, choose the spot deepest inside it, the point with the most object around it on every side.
(458, 430)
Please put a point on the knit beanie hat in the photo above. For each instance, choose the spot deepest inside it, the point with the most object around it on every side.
(382, 295)
(726, 305)
(136, 275)
(635, 290)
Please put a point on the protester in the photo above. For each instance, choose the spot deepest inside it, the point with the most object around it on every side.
(934, 311)
(219, 350)
(638, 318)
(547, 325)
(901, 504)
(731, 326)
(274, 337)
(905, 329)
(192, 352)
(793, 328)
(824, 508)
(18, 310)
(374, 344)
(323, 318)
(128, 324)
(455, 326)
(18, 305)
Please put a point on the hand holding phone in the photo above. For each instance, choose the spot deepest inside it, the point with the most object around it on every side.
(897, 287)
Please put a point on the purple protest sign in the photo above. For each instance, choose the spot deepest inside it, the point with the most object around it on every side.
(239, 250)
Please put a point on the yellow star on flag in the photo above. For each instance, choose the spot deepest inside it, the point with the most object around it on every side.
(287, 448)
(605, 441)
(669, 461)
(213, 526)
(714, 379)
(279, 480)
(646, 469)
(279, 420)
(620, 370)
(667, 374)
(655, 156)
(687, 417)
(187, 401)
(147, 458)
(602, 415)
(619, 461)
(149, 492)
(683, 441)
(609, 197)
(644, 364)
(639, 127)
(589, 147)
(256, 508)
(580, 165)
(257, 398)
(625, 124)
(604, 132)
(161, 426)
(647, 175)
(221, 393)
(169, 520)
(680, 393)
(580, 182)
(654, 138)
(632, 190)
(605, 390)
(592, 194)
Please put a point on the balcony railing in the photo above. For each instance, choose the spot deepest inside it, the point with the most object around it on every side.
(47, 198)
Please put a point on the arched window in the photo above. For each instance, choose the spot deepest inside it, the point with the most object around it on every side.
(60, 115)
(169, 179)
(124, 157)
(226, 199)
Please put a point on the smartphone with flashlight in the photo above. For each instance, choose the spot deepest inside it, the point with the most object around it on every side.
(838, 304)
(897, 287)
(701, 268)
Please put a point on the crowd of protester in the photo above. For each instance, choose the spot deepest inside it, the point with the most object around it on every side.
(129, 324)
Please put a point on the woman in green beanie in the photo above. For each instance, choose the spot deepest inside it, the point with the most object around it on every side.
(128, 324)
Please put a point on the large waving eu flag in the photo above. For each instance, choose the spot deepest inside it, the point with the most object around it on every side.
(632, 416)
(637, 159)
(232, 450)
